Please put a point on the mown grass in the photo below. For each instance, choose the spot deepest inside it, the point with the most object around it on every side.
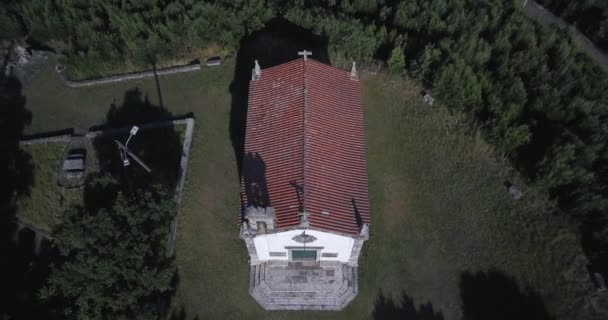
(440, 211)
(46, 200)
(56, 107)
(440, 208)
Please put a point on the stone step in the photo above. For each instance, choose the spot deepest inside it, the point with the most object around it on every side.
(276, 307)
(252, 283)
(271, 293)
(271, 288)
(273, 296)
(303, 303)
(258, 273)
(300, 294)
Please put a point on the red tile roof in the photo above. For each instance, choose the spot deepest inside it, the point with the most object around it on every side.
(305, 148)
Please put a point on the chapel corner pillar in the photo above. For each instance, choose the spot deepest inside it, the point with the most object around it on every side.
(248, 236)
(358, 245)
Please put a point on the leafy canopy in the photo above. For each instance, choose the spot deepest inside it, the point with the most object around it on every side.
(113, 258)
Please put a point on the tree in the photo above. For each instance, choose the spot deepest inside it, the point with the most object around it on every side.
(113, 260)
(396, 63)
(422, 68)
(458, 86)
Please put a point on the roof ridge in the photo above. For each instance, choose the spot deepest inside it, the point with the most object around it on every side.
(305, 142)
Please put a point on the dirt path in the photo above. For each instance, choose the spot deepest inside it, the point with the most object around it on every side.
(541, 15)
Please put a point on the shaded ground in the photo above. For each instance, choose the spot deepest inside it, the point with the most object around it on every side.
(278, 43)
(493, 295)
(160, 148)
(387, 308)
(22, 272)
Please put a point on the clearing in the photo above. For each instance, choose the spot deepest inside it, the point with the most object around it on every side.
(445, 232)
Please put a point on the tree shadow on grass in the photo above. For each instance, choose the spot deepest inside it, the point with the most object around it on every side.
(385, 308)
(493, 295)
(88, 225)
(277, 43)
(23, 268)
(16, 166)
(160, 148)
(181, 315)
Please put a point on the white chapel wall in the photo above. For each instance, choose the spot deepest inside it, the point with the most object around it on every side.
(276, 242)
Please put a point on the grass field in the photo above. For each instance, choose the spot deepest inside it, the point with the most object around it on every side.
(43, 207)
(444, 230)
(444, 227)
(56, 107)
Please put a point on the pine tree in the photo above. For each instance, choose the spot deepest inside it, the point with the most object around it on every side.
(396, 63)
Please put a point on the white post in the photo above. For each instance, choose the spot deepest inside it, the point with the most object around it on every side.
(257, 71)
(353, 72)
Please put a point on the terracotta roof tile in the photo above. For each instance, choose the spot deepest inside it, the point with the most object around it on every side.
(305, 148)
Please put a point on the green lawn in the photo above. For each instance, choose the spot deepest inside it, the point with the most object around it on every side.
(46, 200)
(55, 106)
(440, 207)
(440, 211)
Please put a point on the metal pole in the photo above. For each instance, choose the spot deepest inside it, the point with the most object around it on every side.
(134, 157)
(129, 139)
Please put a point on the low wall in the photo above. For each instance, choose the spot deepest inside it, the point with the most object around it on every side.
(60, 138)
(183, 167)
(152, 125)
(129, 76)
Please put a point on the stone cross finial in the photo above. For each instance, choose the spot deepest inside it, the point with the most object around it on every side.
(257, 71)
(304, 223)
(353, 72)
(305, 54)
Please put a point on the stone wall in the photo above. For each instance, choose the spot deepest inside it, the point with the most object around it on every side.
(129, 76)
(59, 138)
(183, 166)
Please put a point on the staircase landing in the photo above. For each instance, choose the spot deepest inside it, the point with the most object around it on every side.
(298, 286)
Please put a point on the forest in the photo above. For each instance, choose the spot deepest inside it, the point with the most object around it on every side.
(540, 100)
(589, 16)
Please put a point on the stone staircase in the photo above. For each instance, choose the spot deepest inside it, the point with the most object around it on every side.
(289, 287)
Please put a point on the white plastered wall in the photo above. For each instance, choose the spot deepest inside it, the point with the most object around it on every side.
(276, 242)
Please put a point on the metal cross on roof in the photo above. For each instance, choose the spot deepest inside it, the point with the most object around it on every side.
(305, 54)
